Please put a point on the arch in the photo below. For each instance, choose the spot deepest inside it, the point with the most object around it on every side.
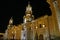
(41, 37)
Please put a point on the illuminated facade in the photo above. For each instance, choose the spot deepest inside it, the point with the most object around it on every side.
(43, 28)
(30, 29)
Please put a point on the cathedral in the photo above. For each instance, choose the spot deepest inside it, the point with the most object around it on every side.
(42, 28)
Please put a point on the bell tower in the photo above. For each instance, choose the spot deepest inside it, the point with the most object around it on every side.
(10, 23)
(28, 17)
(8, 28)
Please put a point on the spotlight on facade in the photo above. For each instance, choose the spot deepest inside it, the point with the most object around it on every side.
(43, 25)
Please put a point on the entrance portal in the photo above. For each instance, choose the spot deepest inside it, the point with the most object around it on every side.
(41, 37)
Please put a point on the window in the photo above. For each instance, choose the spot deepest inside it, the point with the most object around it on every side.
(40, 26)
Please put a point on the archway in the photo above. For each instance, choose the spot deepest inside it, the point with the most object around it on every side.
(41, 37)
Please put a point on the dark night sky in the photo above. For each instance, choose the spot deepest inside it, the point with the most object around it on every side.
(16, 8)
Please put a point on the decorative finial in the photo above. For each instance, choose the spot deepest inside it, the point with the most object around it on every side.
(11, 21)
(29, 8)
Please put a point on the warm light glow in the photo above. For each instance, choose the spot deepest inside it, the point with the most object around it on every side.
(43, 25)
(36, 27)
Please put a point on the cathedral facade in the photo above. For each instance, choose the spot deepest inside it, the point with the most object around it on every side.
(43, 28)
(30, 29)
